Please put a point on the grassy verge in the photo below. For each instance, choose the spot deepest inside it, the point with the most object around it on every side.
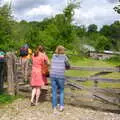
(6, 99)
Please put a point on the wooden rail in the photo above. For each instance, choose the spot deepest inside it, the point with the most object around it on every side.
(84, 79)
(104, 69)
(110, 95)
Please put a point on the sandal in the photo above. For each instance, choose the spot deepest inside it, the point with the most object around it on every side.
(32, 104)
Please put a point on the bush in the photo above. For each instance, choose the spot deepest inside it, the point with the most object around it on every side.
(116, 58)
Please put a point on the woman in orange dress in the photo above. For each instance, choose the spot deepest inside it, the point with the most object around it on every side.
(37, 80)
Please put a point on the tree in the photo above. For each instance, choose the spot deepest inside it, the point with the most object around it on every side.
(5, 27)
(102, 43)
(115, 30)
(80, 31)
(68, 13)
(54, 31)
(117, 9)
(112, 32)
(92, 28)
(106, 30)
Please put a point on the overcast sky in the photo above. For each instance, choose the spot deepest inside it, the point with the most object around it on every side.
(98, 12)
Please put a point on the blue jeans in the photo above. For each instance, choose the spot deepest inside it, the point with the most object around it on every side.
(57, 84)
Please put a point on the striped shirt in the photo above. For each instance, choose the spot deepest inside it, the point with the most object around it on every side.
(58, 66)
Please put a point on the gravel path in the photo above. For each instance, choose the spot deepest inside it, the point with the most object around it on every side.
(21, 110)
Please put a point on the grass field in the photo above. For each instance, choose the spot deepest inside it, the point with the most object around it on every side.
(81, 61)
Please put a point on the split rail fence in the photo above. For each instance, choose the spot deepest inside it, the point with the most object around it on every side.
(74, 89)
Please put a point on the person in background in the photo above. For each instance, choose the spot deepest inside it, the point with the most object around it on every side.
(24, 61)
(57, 77)
(24, 51)
(37, 81)
(29, 53)
(2, 69)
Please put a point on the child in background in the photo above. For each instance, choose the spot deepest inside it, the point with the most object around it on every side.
(57, 77)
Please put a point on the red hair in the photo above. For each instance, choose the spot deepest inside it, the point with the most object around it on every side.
(39, 49)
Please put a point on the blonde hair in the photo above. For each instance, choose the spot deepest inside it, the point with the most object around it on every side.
(60, 50)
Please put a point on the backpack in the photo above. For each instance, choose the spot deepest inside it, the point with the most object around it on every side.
(67, 64)
(23, 51)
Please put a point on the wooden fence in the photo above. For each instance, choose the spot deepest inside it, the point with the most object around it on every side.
(111, 95)
(74, 88)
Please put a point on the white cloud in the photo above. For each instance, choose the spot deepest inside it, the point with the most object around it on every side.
(94, 12)
(46, 10)
(91, 12)
(31, 10)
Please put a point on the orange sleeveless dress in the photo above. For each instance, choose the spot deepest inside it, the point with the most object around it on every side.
(37, 79)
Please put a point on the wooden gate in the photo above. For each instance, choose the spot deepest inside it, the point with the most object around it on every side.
(18, 72)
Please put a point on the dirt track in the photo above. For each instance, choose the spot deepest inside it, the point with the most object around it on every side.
(21, 110)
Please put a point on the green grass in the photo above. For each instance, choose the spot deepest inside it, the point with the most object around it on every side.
(109, 85)
(88, 83)
(5, 98)
(77, 73)
(82, 61)
(114, 60)
(115, 75)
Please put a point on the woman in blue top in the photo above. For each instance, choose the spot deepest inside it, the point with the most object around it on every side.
(57, 76)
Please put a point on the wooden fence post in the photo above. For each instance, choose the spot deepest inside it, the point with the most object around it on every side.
(11, 73)
(95, 86)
